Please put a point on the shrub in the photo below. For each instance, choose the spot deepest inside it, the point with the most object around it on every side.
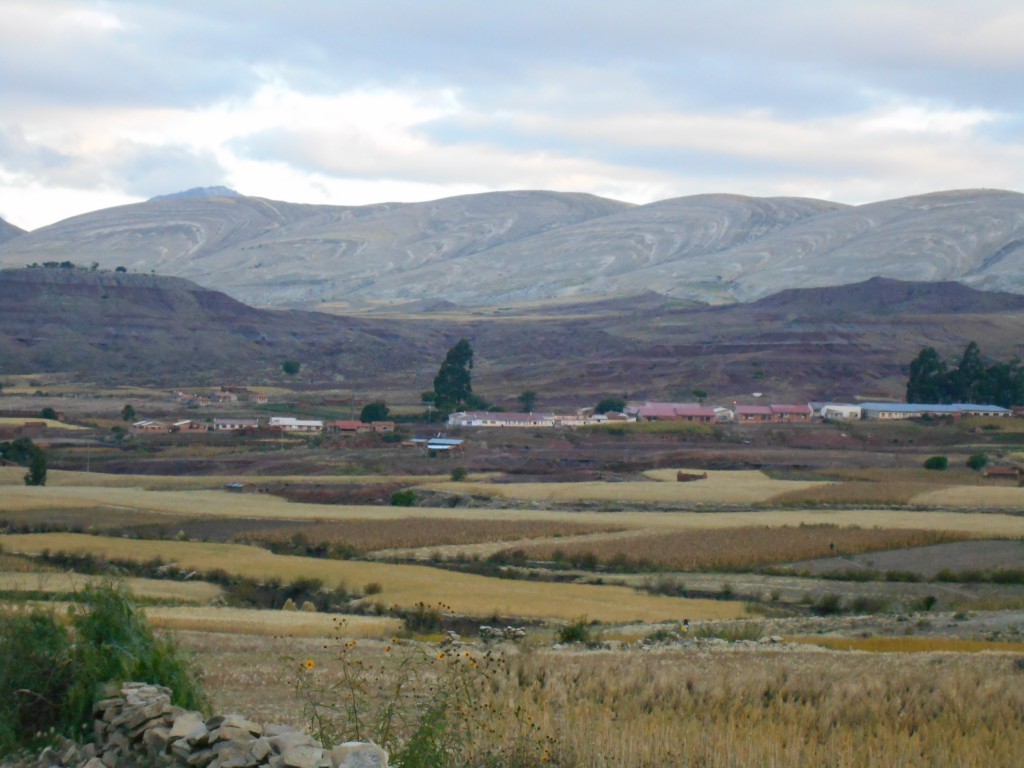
(459, 474)
(406, 498)
(976, 461)
(936, 462)
(50, 677)
(576, 631)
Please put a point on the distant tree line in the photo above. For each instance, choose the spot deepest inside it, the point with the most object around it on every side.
(973, 380)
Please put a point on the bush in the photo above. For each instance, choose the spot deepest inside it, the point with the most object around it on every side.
(459, 474)
(977, 461)
(936, 462)
(50, 677)
(406, 498)
(576, 631)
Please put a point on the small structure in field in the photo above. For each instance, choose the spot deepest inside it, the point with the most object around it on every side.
(689, 477)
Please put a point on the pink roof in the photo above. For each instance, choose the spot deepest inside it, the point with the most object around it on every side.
(695, 410)
(753, 410)
(657, 411)
(804, 409)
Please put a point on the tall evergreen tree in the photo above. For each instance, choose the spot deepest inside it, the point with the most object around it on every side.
(453, 386)
(928, 378)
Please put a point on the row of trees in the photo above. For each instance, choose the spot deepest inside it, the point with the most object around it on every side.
(973, 380)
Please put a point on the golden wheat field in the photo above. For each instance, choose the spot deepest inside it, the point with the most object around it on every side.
(403, 585)
(63, 478)
(681, 708)
(271, 623)
(992, 497)
(368, 535)
(725, 487)
(150, 589)
(50, 423)
(203, 504)
(737, 548)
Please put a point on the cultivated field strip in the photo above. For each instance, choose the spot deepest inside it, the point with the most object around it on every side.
(403, 585)
(200, 504)
(737, 548)
(151, 589)
(62, 478)
(368, 535)
(726, 487)
(271, 623)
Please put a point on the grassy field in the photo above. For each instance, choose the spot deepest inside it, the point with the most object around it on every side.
(271, 623)
(403, 585)
(733, 487)
(736, 548)
(677, 708)
(50, 423)
(202, 504)
(152, 589)
(992, 497)
(63, 479)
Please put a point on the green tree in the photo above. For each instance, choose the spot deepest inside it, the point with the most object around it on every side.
(376, 411)
(527, 399)
(616, 404)
(453, 383)
(128, 413)
(36, 474)
(291, 367)
(936, 462)
(967, 380)
(48, 413)
(700, 394)
(927, 382)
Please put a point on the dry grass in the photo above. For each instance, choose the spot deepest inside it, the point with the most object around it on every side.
(909, 644)
(151, 589)
(50, 423)
(65, 479)
(368, 535)
(714, 710)
(15, 564)
(989, 497)
(855, 493)
(739, 548)
(200, 504)
(271, 623)
(403, 585)
(733, 487)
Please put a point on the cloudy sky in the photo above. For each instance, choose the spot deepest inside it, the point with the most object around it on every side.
(338, 101)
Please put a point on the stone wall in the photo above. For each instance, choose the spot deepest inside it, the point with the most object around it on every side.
(140, 727)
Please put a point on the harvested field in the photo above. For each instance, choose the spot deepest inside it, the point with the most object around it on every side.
(855, 493)
(910, 644)
(989, 497)
(732, 487)
(403, 585)
(735, 548)
(151, 589)
(62, 478)
(241, 621)
(176, 505)
(10, 421)
(368, 535)
(926, 562)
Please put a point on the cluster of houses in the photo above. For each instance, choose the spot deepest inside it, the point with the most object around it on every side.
(238, 425)
(227, 394)
(736, 414)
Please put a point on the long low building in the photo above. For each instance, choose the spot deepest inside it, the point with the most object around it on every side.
(895, 411)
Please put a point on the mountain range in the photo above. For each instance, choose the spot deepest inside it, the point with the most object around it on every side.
(812, 343)
(505, 248)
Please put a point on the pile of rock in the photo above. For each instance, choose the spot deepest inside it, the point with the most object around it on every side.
(139, 725)
(498, 634)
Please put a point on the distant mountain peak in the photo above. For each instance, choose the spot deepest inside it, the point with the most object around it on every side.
(198, 193)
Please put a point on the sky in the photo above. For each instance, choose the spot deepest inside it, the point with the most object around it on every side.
(350, 103)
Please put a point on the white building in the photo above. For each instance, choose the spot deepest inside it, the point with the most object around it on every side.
(288, 424)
